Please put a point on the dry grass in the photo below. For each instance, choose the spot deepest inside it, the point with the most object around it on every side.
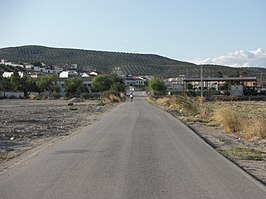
(183, 105)
(254, 128)
(244, 118)
(229, 118)
(168, 103)
(162, 101)
(111, 99)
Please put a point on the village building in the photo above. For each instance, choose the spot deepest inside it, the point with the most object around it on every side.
(134, 81)
(234, 85)
(9, 74)
(67, 74)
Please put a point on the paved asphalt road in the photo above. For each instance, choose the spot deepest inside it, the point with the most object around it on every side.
(135, 151)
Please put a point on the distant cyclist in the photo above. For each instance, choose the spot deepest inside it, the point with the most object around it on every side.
(131, 97)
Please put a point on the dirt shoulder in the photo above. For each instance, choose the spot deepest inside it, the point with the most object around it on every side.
(249, 155)
(28, 124)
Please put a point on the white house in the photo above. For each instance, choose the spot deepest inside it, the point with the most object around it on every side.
(134, 81)
(94, 73)
(74, 66)
(6, 63)
(9, 74)
(84, 75)
(29, 66)
(67, 74)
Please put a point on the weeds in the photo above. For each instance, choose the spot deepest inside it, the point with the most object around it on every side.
(229, 118)
(188, 107)
(234, 121)
(113, 97)
(246, 119)
(244, 153)
(72, 108)
(254, 127)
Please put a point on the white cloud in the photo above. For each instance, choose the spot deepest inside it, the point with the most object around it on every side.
(242, 58)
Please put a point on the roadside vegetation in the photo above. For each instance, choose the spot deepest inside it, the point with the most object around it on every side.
(111, 87)
(157, 87)
(243, 153)
(245, 119)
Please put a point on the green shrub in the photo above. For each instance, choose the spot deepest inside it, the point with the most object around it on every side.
(188, 106)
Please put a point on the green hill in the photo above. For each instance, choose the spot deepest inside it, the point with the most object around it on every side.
(129, 63)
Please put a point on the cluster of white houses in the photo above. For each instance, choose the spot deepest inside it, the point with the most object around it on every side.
(178, 83)
(63, 75)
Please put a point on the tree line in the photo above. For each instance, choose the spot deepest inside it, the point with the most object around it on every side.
(48, 84)
(110, 83)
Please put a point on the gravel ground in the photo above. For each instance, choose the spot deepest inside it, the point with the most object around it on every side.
(25, 124)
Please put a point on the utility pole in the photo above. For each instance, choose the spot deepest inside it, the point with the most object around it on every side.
(261, 79)
(201, 81)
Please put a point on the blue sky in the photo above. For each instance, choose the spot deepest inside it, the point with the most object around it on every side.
(198, 31)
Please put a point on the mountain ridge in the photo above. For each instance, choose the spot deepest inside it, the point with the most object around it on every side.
(127, 63)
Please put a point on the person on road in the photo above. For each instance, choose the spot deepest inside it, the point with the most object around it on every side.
(131, 97)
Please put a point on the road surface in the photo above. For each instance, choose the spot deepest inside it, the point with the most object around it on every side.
(136, 151)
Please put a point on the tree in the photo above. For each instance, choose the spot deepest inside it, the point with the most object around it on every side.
(111, 82)
(5, 85)
(32, 84)
(117, 83)
(157, 86)
(220, 74)
(28, 84)
(15, 81)
(188, 86)
(55, 88)
(101, 83)
(73, 85)
(23, 84)
(46, 82)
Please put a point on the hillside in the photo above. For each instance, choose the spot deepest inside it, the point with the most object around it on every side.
(129, 63)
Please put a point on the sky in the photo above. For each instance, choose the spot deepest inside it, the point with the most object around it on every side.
(228, 32)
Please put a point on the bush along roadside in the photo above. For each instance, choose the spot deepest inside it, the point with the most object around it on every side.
(235, 119)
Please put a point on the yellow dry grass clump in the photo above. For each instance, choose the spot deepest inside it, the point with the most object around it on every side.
(162, 101)
(235, 121)
(167, 103)
(112, 99)
(229, 118)
(254, 128)
(246, 119)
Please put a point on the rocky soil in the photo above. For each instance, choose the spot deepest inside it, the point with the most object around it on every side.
(25, 124)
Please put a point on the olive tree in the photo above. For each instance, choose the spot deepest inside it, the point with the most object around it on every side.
(157, 86)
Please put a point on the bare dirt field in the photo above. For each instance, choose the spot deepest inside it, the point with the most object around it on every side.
(25, 124)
